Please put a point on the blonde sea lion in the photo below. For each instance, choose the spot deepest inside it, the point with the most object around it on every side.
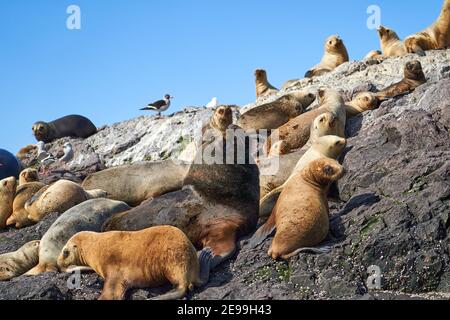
(25, 152)
(19, 216)
(330, 147)
(218, 204)
(323, 125)
(335, 55)
(16, 263)
(138, 182)
(301, 215)
(274, 114)
(59, 197)
(390, 42)
(413, 78)
(74, 126)
(296, 133)
(435, 37)
(7, 193)
(87, 216)
(28, 175)
(126, 260)
(374, 54)
(363, 102)
(263, 87)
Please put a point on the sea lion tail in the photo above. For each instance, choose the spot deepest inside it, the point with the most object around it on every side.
(263, 233)
(268, 202)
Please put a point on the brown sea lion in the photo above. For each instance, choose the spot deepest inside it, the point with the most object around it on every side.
(16, 263)
(7, 193)
(434, 37)
(374, 54)
(301, 215)
(390, 42)
(74, 126)
(363, 102)
(295, 134)
(59, 197)
(126, 260)
(335, 55)
(274, 114)
(413, 78)
(28, 175)
(263, 87)
(24, 153)
(19, 216)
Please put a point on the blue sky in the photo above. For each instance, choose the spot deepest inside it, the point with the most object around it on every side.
(131, 52)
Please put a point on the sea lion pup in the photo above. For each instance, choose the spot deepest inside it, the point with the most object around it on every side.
(413, 78)
(74, 126)
(374, 54)
(335, 55)
(126, 260)
(391, 45)
(138, 182)
(59, 197)
(218, 204)
(16, 263)
(330, 147)
(274, 114)
(434, 37)
(296, 133)
(323, 125)
(87, 216)
(24, 193)
(301, 215)
(263, 87)
(363, 102)
(28, 175)
(7, 193)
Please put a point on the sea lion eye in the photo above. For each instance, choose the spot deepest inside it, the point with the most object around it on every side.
(65, 254)
(328, 170)
(366, 98)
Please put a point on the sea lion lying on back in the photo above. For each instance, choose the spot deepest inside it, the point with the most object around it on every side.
(335, 55)
(391, 45)
(274, 114)
(413, 77)
(434, 37)
(74, 126)
(263, 87)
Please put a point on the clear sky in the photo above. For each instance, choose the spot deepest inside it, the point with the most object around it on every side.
(131, 52)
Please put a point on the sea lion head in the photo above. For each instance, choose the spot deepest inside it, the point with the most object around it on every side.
(29, 175)
(223, 117)
(326, 95)
(324, 124)
(40, 130)
(413, 70)
(8, 186)
(334, 44)
(323, 172)
(261, 75)
(387, 34)
(330, 146)
(69, 255)
(366, 101)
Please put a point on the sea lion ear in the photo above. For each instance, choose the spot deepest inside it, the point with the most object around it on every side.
(5, 183)
(328, 170)
(321, 92)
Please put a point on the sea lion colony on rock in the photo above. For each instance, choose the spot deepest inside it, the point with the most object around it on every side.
(184, 207)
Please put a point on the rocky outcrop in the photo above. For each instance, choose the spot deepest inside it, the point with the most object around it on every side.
(394, 211)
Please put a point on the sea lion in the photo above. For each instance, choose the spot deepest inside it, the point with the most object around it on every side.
(24, 153)
(126, 260)
(28, 175)
(263, 87)
(218, 204)
(413, 77)
(363, 102)
(16, 263)
(295, 134)
(274, 114)
(335, 55)
(329, 147)
(87, 216)
(374, 54)
(323, 125)
(138, 182)
(24, 193)
(74, 126)
(437, 36)
(390, 42)
(59, 197)
(7, 192)
(9, 165)
(301, 215)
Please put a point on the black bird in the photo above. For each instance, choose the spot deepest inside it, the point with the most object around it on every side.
(160, 105)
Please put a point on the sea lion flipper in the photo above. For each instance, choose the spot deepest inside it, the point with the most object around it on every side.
(318, 250)
(37, 195)
(265, 231)
(205, 258)
(175, 294)
(268, 202)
